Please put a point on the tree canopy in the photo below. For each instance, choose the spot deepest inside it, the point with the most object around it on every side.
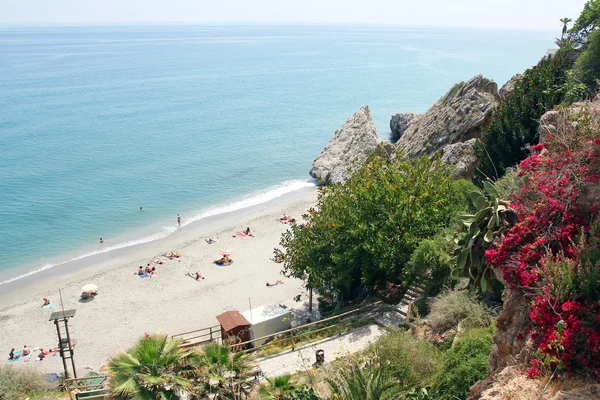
(364, 231)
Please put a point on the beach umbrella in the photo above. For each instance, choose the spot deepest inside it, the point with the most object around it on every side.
(226, 252)
(89, 288)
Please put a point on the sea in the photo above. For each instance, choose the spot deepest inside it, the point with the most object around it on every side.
(198, 120)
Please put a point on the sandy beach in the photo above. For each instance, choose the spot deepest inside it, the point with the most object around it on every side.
(171, 302)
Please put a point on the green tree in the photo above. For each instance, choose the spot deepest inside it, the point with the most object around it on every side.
(156, 368)
(587, 67)
(515, 123)
(565, 21)
(588, 21)
(366, 229)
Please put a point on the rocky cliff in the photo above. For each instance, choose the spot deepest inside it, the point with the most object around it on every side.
(352, 142)
(457, 117)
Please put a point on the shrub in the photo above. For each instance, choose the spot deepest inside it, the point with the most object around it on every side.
(367, 381)
(515, 123)
(408, 359)
(433, 259)
(18, 382)
(452, 307)
(587, 67)
(464, 364)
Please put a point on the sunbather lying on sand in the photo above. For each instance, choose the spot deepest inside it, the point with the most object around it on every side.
(223, 261)
(284, 273)
(211, 240)
(243, 233)
(276, 259)
(197, 276)
(277, 282)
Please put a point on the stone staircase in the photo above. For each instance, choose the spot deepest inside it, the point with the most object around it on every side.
(414, 292)
(399, 314)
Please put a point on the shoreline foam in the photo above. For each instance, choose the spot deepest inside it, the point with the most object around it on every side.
(255, 198)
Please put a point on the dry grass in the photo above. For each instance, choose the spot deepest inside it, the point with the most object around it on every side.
(452, 307)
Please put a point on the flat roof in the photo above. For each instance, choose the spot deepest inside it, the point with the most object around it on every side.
(232, 319)
(265, 313)
(61, 315)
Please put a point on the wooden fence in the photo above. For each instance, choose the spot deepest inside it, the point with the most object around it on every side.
(199, 336)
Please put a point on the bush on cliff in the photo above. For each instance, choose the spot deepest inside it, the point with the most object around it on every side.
(450, 308)
(366, 229)
(515, 123)
(464, 364)
(551, 254)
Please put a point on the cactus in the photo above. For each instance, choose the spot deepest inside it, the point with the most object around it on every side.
(494, 217)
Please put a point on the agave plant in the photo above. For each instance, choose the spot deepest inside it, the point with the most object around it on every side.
(494, 218)
(363, 382)
(156, 368)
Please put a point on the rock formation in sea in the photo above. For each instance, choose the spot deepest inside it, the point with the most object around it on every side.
(352, 142)
(458, 116)
(400, 122)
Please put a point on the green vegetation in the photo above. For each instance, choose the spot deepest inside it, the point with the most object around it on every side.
(156, 368)
(20, 383)
(452, 307)
(515, 123)
(367, 228)
(366, 381)
(587, 66)
(411, 361)
(464, 364)
(588, 21)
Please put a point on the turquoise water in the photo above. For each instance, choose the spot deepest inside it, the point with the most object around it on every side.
(98, 121)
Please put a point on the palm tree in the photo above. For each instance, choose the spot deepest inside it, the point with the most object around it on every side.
(565, 21)
(225, 374)
(276, 388)
(156, 368)
(363, 382)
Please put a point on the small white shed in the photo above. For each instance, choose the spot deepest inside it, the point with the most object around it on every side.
(267, 320)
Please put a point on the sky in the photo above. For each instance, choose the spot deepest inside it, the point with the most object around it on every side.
(519, 14)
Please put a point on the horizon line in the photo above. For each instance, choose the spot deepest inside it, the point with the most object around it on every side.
(258, 23)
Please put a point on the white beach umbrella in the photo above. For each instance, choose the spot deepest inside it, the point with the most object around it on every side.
(90, 287)
(226, 252)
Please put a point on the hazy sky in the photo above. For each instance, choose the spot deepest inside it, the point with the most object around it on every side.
(529, 14)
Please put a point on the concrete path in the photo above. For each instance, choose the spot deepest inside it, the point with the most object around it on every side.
(336, 346)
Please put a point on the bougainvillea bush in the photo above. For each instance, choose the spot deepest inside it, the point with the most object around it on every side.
(551, 253)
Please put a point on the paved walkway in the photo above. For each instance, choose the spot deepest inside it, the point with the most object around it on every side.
(336, 346)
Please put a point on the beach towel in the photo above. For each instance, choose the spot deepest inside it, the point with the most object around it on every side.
(17, 356)
(240, 234)
(51, 378)
(47, 305)
(144, 275)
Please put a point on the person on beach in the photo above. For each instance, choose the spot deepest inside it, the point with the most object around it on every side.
(101, 240)
(277, 282)
(46, 302)
(247, 232)
(11, 355)
(199, 276)
(26, 351)
(179, 220)
(148, 270)
(141, 271)
(221, 261)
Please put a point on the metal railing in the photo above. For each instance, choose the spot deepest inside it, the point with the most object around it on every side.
(294, 334)
(199, 336)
